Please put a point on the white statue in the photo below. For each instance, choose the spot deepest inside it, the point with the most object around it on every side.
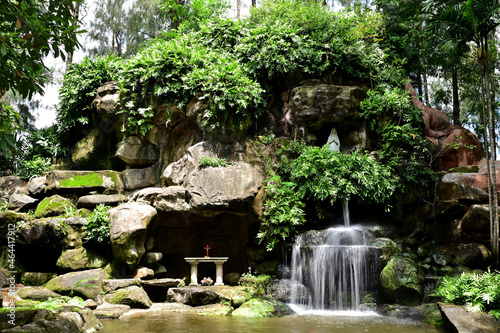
(333, 140)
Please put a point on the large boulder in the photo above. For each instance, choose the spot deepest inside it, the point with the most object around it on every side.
(10, 185)
(314, 105)
(129, 223)
(193, 296)
(402, 282)
(110, 311)
(87, 284)
(36, 185)
(281, 290)
(133, 296)
(476, 219)
(164, 199)
(53, 206)
(36, 293)
(134, 179)
(458, 319)
(136, 153)
(460, 192)
(21, 202)
(36, 278)
(80, 258)
(460, 148)
(92, 201)
(232, 188)
(53, 233)
(260, 307)
(84, 182)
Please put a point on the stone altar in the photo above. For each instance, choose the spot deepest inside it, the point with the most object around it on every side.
(219, 261)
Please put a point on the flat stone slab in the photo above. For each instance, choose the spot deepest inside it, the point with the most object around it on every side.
(160, 307)
(110, 311)
(162, 283)
(91, 201)
(113, 284)
(459, 320)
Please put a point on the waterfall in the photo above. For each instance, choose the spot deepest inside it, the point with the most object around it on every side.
(336, 266)
(345, 211)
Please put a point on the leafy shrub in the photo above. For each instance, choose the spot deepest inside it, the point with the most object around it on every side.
(97, 227)
(45, 142)
(4, 204)
(322, 175)
(478, 292)
(79, 89)
(260, 282)
(35, 167)
(215, 162)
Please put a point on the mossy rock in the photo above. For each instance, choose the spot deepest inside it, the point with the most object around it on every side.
(261, 307)
(36, 278)
(80, 258)
(74, 181)
(133, 296)
(87, 284)
(402, 282)
(53, 206)
(388, 246)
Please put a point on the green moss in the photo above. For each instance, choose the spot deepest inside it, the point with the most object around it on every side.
(114, 177)
(90, 180)
(52, 206)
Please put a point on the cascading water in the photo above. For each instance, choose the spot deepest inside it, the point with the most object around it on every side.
(336, 266)
(332, 269)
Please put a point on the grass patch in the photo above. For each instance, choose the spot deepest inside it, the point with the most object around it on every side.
(90, 180)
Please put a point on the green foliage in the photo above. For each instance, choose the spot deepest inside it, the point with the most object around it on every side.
(322, 175)
(260, 282)
(45, 142)
(478, 292)
(400, 125)
(29, 31)
(91, 179)
(97, 227)
(79, 89)
(35, 167)
(9, 124)
(215, 162)
(4, 205)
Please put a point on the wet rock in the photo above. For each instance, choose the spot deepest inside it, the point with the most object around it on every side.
(80, 258)
(110, 311)
(388, 246)
(236, 295)
(136, 153)
(21, 202)
(36, 293)
(134, 179)
(402, 282)
(259, 307)
(133, 296)
(457, 319)
(128, 231)
(53, 206)
(92, 201)
(193, 296)
(36, 278)
(281, 290)
(9, 217)
(87, 284)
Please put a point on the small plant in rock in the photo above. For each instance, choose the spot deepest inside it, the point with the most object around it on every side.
(207, 281)
(215, 162)
(3, 206)
(97, 228)
(259, 282)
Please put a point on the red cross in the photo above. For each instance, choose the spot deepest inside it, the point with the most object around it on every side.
(207, 248)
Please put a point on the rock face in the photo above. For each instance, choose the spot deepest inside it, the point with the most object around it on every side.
(136, 153)
(129, 223)
(80, 258)
(459, 146)
(457, 319)
(402, 282)
(258, 308)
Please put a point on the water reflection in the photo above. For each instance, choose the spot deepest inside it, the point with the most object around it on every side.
(193, 323)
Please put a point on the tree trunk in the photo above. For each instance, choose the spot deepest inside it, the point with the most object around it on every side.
(456, 102)
(76, 16)
(238, 8)
(254, 3)
(492, 171)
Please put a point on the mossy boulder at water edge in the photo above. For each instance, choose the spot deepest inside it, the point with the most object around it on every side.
(402, 282)
(261, 307)
(133, 296)
(87, 284)
(53, 206)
